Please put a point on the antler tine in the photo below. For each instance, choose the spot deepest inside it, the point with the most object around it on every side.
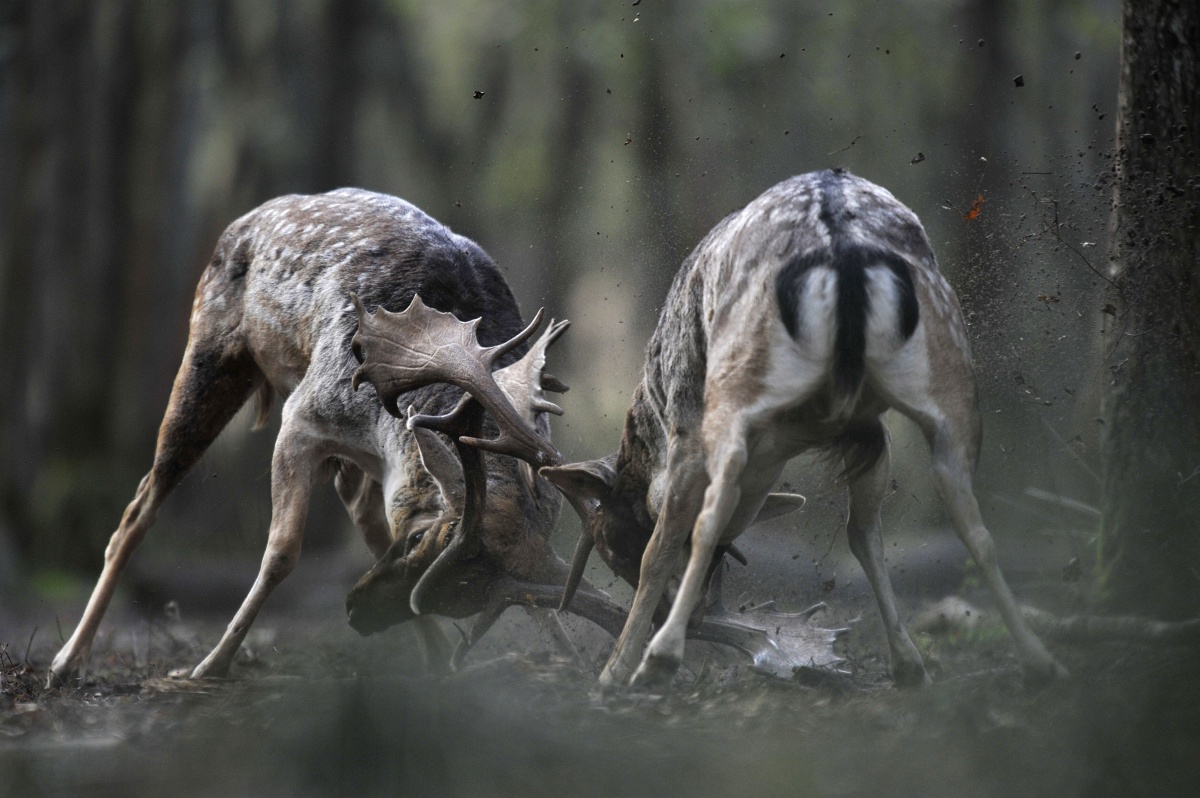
(583, 549)
(500, 350)
(453, 424)
(521, 383)
(527, 375)
(537, 452)
(552, 383)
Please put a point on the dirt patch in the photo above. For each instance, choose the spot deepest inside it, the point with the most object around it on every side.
(318, 711)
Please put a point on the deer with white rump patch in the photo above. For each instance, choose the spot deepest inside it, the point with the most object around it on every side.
(275, 312)
(792, 326)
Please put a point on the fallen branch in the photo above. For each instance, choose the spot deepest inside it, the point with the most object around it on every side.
(953, 614)
(1113, 627)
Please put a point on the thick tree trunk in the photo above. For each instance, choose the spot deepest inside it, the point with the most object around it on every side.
(1152, 478)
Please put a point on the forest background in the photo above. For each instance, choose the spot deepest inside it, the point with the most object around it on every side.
(587, 146)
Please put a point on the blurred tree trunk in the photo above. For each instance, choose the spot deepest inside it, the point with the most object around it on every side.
(657, 156)
(566, 147)
(61, 292)
(1152, 455)
(338, 119)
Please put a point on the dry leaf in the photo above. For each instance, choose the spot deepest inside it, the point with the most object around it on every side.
(976, 207)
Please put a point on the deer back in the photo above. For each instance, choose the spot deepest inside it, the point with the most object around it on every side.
(286, 270)
(280, 284)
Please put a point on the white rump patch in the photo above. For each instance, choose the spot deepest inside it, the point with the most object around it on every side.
(818, 312)
(883, 316)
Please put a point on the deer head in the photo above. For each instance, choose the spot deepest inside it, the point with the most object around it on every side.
(445, 564)
(613, 510)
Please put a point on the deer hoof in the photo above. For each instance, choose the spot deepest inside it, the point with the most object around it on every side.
(208, 669)
(656, 672)
(61, 678)
(1043, 674)
(66, 669)
(909, 675)
(613, 675)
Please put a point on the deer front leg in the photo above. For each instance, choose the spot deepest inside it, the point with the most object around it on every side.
(720, 500)
(863, 530)
(686, 481)
(294, 471)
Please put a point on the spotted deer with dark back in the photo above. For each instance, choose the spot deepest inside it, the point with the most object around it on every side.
(793, 326)
(274, 314)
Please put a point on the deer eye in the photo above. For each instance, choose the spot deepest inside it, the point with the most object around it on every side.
(414, 539)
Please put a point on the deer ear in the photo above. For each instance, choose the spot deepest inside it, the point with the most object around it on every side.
(778, 504)
(443, 465)
(591, 479)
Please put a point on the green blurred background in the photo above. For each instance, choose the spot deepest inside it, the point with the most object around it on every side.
(587, 146)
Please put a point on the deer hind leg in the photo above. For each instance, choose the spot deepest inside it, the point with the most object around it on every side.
(295, 468)
(211, 386)
(952, 465)
(363, 499)
(686, 482)
(863, 531)
(727, 460)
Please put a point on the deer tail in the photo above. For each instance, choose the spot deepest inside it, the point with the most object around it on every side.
(264, 395)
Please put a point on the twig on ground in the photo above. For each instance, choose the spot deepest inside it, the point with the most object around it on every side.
(29, 645)
(1063, 501)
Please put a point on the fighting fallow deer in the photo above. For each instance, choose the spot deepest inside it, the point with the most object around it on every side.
(401, 352)
(274, 313)
(792, 326)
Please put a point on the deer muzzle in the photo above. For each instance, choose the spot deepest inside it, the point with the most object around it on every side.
(380, 599)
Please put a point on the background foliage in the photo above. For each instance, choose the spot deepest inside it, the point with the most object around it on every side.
(605, 140)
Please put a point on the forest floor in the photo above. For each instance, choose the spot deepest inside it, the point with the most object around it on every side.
(314, 710)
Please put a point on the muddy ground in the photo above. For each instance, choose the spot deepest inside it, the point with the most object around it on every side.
(313, 710)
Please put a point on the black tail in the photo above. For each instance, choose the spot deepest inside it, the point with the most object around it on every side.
(850, 259)
(859, 446)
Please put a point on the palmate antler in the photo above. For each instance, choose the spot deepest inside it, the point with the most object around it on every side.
(400, 352)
